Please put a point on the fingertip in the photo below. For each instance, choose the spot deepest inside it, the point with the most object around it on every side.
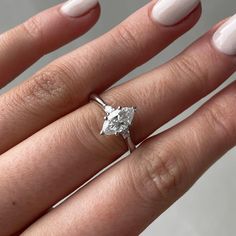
(59, 29)
(175, 18)
(91, 14)
(77, 8)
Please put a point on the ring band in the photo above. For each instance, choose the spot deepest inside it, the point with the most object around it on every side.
(117, 120)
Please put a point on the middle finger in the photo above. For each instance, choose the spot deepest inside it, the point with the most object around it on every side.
(66, 83)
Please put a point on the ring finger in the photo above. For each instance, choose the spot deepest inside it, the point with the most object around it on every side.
(140, 188)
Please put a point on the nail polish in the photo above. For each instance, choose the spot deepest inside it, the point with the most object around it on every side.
(76, 8)
(224, 39)
(171, 12)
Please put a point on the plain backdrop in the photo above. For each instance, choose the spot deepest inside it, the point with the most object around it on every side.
(209, 208)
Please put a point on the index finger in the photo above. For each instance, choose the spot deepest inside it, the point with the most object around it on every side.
(23, 45)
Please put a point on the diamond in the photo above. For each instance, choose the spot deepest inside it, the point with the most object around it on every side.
(109, 109)
(118, 120)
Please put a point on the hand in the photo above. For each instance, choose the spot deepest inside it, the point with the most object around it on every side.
(49, 131)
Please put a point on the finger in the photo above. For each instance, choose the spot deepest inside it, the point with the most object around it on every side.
(66, 83)
(75, 143)
(142, 187)
(41, 34)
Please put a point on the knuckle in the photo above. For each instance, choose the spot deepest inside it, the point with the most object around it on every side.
(50, 87)
(190, 67)
(162, 175)
(125, 35)
(215, 117)
(5, 38)
(33, 29)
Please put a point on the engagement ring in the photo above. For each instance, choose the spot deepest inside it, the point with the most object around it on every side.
(117, 120)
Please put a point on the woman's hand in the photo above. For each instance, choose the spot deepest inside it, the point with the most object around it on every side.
(50, 142)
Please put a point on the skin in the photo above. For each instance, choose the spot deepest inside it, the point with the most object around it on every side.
(46, 157)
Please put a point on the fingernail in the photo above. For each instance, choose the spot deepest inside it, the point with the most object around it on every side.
(224, 39)
(171, 12)
(76, 8)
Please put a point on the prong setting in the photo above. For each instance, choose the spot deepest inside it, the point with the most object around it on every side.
(117, 121)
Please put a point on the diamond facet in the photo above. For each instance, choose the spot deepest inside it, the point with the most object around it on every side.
(118, 120)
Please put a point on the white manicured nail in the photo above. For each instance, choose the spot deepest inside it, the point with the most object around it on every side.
(170, 12)
(75, 8)
(224, 38)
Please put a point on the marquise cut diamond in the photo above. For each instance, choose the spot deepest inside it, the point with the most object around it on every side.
(118, 120)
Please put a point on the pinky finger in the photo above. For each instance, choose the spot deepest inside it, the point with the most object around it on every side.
(25, 44)
(129, 196)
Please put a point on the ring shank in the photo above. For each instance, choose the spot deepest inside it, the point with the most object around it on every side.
(127, 138)
(130, 144)
(98, 100)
